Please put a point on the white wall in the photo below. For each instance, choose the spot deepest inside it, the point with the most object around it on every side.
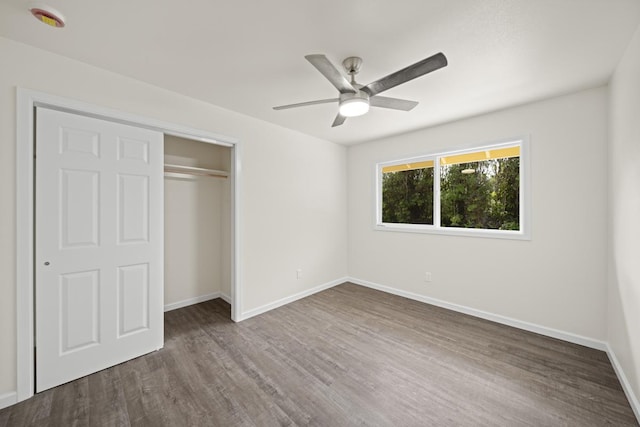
(624, 201)
(197, 222)
(293, 194)
(555, 280)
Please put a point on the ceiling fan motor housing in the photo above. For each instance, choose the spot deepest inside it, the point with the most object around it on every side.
(360, 96)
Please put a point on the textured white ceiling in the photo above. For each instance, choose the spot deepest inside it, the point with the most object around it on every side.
(248, 55)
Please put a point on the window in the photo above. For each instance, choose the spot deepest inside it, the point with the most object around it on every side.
(407, 193)
(479, 191)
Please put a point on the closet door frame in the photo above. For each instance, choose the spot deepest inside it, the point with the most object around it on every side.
(27, 101)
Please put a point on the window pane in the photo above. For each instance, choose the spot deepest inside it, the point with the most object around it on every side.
(407, 195)
(481, 194)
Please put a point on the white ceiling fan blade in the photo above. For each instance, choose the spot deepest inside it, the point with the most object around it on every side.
(331, 73)
(392, 103)
(304, 104)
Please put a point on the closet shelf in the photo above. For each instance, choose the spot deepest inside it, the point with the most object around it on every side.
(188, 170)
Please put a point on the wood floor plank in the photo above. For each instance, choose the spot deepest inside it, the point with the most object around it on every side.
(348, 356)
(70, 404)
(4, 418)
(32, 412)
(107, 405)
(141, 393)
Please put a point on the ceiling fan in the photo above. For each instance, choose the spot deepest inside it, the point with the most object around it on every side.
(355, 99)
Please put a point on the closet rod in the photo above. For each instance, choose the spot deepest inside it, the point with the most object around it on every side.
(188, 170)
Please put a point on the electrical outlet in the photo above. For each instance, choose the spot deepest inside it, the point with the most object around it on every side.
(298, 273)
(427, 276)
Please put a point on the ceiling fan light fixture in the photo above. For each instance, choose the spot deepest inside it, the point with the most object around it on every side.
(354, 107)
(353, 104)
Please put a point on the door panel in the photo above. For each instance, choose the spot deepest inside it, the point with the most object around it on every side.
(133, 209)
(133, 298)
(79, 205)
(79, 309)
(99, 245)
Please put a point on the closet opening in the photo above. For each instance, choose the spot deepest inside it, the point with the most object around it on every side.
(185, 283)
(198, 222)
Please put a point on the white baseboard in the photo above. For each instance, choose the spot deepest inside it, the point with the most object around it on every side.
(531, 327)
(626, 386)
(8, 399)
(225, 298)
(290, 299)
(195, 300)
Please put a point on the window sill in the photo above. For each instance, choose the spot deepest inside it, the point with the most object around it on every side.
(452, 231)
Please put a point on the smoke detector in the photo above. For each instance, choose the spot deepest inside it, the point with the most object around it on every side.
(47, 15)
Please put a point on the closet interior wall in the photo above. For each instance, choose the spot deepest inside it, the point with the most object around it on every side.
(197, 223)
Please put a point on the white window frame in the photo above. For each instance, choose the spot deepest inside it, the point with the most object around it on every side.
(525, 195)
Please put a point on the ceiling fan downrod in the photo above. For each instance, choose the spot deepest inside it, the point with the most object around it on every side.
(352, 65)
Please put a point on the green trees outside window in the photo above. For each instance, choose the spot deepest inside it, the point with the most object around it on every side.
(481, 194)
(477, 189)
(407, 196)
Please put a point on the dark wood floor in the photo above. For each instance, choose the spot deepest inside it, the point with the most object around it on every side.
(346, 356)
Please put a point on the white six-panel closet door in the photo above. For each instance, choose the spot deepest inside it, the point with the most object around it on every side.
(99, 245)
